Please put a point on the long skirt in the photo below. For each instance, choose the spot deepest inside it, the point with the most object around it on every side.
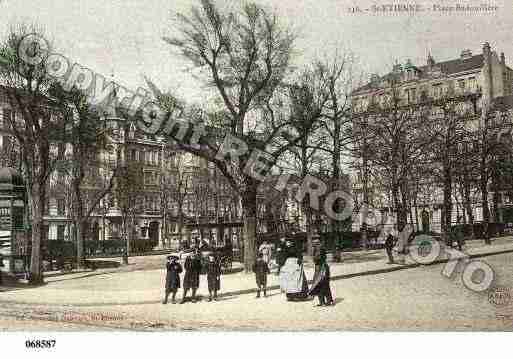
(293, 280)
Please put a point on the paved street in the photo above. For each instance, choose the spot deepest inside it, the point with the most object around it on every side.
(410, 299)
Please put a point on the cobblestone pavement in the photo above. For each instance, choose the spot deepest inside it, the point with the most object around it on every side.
(412, 299)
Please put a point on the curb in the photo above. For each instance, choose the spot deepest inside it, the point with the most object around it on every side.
(274, 287)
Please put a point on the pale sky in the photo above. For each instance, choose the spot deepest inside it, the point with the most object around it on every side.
(124, 36)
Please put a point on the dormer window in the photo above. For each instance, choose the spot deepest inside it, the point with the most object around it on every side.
(466, 54)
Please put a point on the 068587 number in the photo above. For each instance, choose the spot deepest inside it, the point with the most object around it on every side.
(40, 343)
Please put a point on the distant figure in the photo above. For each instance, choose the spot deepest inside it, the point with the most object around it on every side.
(321, 282)
(281, 254)
(173, 270)
(261, 269)
(458, 234)
(266, 250)
(1, 266)
(192, 276)
(389, 245)
(213, 277)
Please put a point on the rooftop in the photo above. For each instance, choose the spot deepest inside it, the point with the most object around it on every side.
(448, 67)
(10, 179)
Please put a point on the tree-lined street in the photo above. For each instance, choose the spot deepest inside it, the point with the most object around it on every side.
(410, 299)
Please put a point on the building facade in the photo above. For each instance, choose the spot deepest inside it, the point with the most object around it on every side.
(484, 77)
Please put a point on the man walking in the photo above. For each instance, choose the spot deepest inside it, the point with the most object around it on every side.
(192, 276)
(389, 245)
(261, 269)
(173, 270)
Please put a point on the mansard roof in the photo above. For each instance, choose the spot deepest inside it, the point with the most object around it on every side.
(449, 67)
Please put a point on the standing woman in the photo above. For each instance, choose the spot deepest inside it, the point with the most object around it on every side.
(173, 270)
(292, 276)
(192, 274)
(213, 277)
(321, 282)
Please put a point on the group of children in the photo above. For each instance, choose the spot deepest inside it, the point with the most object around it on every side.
(193, 268)
(191, 277)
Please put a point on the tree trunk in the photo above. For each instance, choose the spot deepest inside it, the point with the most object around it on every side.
(486, 212)
(417, 228)
(125, 235)
(249, 207)
(36, 201)
(447, 193)
(309, 228)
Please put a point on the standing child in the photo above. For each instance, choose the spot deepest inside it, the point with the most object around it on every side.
(213, 277)
(173, 270)
(261, 270)
(192, 276)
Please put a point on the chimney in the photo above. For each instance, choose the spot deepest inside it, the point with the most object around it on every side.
(486, 49)
(487, 74)
(503, 59)
(430, 60)
(466, 54)
(374, 79)
(397, 68)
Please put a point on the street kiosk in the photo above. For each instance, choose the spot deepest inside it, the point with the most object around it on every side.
(12, 215)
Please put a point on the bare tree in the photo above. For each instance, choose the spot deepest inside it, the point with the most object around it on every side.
(87, 135)
(396, 139)
(34, 125)
(245, 55)
(129, 196)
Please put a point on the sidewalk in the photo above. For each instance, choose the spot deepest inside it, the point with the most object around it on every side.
(121, 287)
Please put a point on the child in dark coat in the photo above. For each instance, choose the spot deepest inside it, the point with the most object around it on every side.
(261, 270)
(173, 270)
(192, 276)
(213, 277)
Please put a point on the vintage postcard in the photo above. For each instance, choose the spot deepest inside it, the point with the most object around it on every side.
(264, 165)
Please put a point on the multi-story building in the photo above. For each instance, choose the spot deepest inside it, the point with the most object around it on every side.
(169, 176)
(484, 76)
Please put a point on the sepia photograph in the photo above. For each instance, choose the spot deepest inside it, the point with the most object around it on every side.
(255, 166)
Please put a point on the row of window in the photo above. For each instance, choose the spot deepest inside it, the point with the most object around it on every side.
(148, 157)
(6, 117)
(411, 94)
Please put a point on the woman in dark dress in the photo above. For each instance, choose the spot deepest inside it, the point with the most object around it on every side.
(213, 277)
(321, 282)
(192, 274)
(172, 277)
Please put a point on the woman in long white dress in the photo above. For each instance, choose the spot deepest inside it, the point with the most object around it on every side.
(293, 279)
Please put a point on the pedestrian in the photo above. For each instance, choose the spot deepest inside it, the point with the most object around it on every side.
(459, 236)
(389, 245)
(192, 276)
(293, 279)
(261, 269)
(213, 277)
(173, 270)
(266, 250)
(1, 266)
(281, 254)
(321, 282)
